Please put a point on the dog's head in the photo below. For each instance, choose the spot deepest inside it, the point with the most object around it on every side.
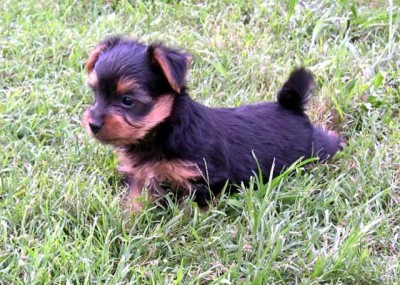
(134, 86)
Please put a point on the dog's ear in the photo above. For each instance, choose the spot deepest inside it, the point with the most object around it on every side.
(94, 55)
(173, 64)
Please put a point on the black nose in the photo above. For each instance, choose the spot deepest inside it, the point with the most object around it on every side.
(95, 127)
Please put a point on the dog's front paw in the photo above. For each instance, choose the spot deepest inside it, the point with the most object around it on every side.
(131, 205)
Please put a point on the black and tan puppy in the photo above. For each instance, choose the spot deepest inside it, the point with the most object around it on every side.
(161, 135)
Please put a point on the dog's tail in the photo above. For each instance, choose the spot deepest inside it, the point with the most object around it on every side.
(295, 91)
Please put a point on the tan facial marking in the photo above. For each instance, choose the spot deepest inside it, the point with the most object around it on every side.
(117, 131)
(161, 110)
(125, 85)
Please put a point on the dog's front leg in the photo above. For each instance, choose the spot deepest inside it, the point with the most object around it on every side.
(135, 191)
(155, 190)
(202, 195)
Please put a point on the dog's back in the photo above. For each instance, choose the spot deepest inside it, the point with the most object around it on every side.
(275, 133)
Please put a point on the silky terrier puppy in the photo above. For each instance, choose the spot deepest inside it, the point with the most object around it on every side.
(165, 140)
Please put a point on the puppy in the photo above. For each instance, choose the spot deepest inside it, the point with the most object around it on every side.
(142, 108)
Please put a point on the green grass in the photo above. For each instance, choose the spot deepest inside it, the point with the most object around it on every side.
(60, 204)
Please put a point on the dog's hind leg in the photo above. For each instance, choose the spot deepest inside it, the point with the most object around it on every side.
(326, 143)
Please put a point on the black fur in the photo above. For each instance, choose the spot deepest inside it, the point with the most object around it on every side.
(294, 93)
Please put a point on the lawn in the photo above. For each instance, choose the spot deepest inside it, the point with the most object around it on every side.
(61, 220)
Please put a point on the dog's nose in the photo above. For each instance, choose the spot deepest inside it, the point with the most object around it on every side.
(95, 127)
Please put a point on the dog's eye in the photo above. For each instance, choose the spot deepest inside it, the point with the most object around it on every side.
(127, 101)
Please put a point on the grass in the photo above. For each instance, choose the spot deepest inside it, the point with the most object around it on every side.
(60, 215)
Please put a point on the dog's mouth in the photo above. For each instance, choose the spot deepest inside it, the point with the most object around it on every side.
(111, 135)
(113, 141)
(114, 130)
(105, 141)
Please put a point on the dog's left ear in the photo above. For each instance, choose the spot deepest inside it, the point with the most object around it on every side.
(174, 64)
(93, 56)
(104, 45)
